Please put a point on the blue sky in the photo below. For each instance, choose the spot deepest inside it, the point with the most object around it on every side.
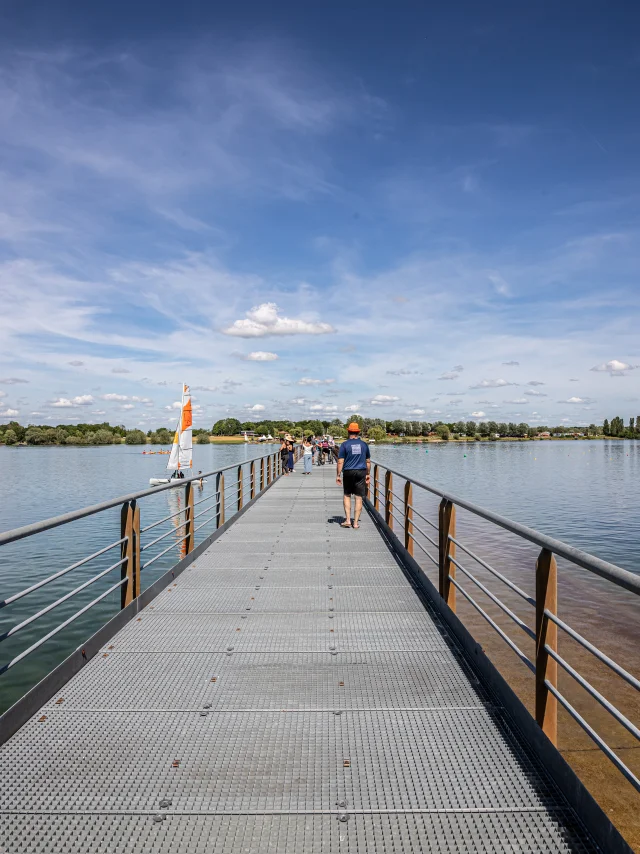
(426, 211)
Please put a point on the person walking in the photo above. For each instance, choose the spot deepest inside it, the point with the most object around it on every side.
(290, 447)
(354, 460)
(307, 455)
(284, 455)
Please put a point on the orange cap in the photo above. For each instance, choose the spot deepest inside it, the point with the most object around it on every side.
(353, 427)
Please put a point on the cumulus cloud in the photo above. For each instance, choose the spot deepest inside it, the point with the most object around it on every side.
(416, 412)
(12, 381)
(67, 403)
(128, 406)
(352, 408)
(9, 413)
(517, 400)
(263, 320)
(383, 400)
(204, 388)
(257, 407)
(577, 400)
(311, 381)
(615, 368)
(261, 356)
(533, 393)
(478, 414)
(511, 364)
(122, 398)
(321, 407)
(492, 384)
(76, 363)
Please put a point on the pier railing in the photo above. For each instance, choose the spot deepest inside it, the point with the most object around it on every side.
(441, 545)
(195, 513)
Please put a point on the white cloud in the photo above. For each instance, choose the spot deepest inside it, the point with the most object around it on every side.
(383, 400)
(257, 407)
(533, 393)
(68, 403)
(128, 406)
(478, 414)
(352, 408)
(577, 400)
(403, 372)
(492, 384)
(321, 407)
(9, 413)
(502, 287)
(299, 401)
(449, 375)
(177, 404)
(261, 356)
(202, 387)
(311, 381)
(12, 381)
(113, 396)
(615, 368)
(416, 412)
(124, 397)
(3, 394)
(263, 320)
(518, 400)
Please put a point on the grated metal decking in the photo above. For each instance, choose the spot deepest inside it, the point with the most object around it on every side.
(290, 692)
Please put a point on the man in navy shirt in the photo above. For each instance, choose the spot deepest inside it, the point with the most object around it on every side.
(355, 460)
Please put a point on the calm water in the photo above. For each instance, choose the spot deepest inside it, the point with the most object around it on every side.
(586, 493)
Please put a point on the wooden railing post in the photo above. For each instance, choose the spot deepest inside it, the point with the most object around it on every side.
(408, 517)
(262, 480)
(253, 479)
(447, 550)
(376, 493)
(388, 487)
(240, 488)
(188, 518)
(220, 491)
(546, 635)
(130, 552)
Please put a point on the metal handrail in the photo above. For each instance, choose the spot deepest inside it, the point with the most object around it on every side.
(55, 521)
(604, 569)
(420, 546)
(495, 572)
(424, 518)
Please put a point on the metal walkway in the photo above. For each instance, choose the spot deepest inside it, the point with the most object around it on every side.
(290, 692)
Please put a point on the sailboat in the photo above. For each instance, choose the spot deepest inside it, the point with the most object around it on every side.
(181, 456)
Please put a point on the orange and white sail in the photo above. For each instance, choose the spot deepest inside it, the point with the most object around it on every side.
(182, 449)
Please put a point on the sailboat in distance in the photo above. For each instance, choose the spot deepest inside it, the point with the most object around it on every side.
(181, 456)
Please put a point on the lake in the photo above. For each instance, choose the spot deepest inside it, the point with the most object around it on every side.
(586, 493)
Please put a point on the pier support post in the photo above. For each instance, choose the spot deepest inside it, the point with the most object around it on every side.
(130, 552)
(546, 636)
(388, 487)
(447, 550)
(376, 493)
(220, 491)
(240, 487)
(253, 479)
(408, 516)
(188, 518)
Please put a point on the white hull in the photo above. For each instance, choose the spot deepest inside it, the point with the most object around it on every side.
(157, 481)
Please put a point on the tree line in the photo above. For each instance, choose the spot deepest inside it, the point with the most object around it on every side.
(617, 428)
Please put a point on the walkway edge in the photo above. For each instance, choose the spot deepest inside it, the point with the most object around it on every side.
(605, 834)
(18, 714)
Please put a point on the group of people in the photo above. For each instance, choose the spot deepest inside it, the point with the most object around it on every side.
(354, 465)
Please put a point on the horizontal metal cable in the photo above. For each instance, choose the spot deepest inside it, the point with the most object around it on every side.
(622, 577)
(399, 521)
(206, 498)
(516, 619)
(168, 549)
(424, 518)
(160, 521)
(604, 747)
(495, 572)
(426, 536)
(62, 599)
(206, 522)
(161, 537)
(60, 573)
(595, 651)
(206, 510)
(423, 549)
(491, 622)
(399, 497)
(399, 509)
(588, 687)
(59, 628)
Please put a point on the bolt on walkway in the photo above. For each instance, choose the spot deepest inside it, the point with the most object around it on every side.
(290, 692)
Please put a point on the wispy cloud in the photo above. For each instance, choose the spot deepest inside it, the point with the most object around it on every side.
(261, 356)
(500, 383)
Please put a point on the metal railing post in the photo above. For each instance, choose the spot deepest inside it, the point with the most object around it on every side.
(546, 636)
(240, 488)
(188, 518)
(253, 479)
(408, 517)
(388, 487)
(220, 491)
(447, 550)
(376, 493)
(130, 552)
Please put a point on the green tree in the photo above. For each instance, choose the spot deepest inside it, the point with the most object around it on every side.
(443, 432)
(522, 429)
(376, 433)
(135, 437)
(227, 427)
(10, 437)
(18, 429)
(35, 436)
(605, 428)
(483, 429)
(202, 439)
(103, 437)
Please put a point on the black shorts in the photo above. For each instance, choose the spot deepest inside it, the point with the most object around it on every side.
(354, 482)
